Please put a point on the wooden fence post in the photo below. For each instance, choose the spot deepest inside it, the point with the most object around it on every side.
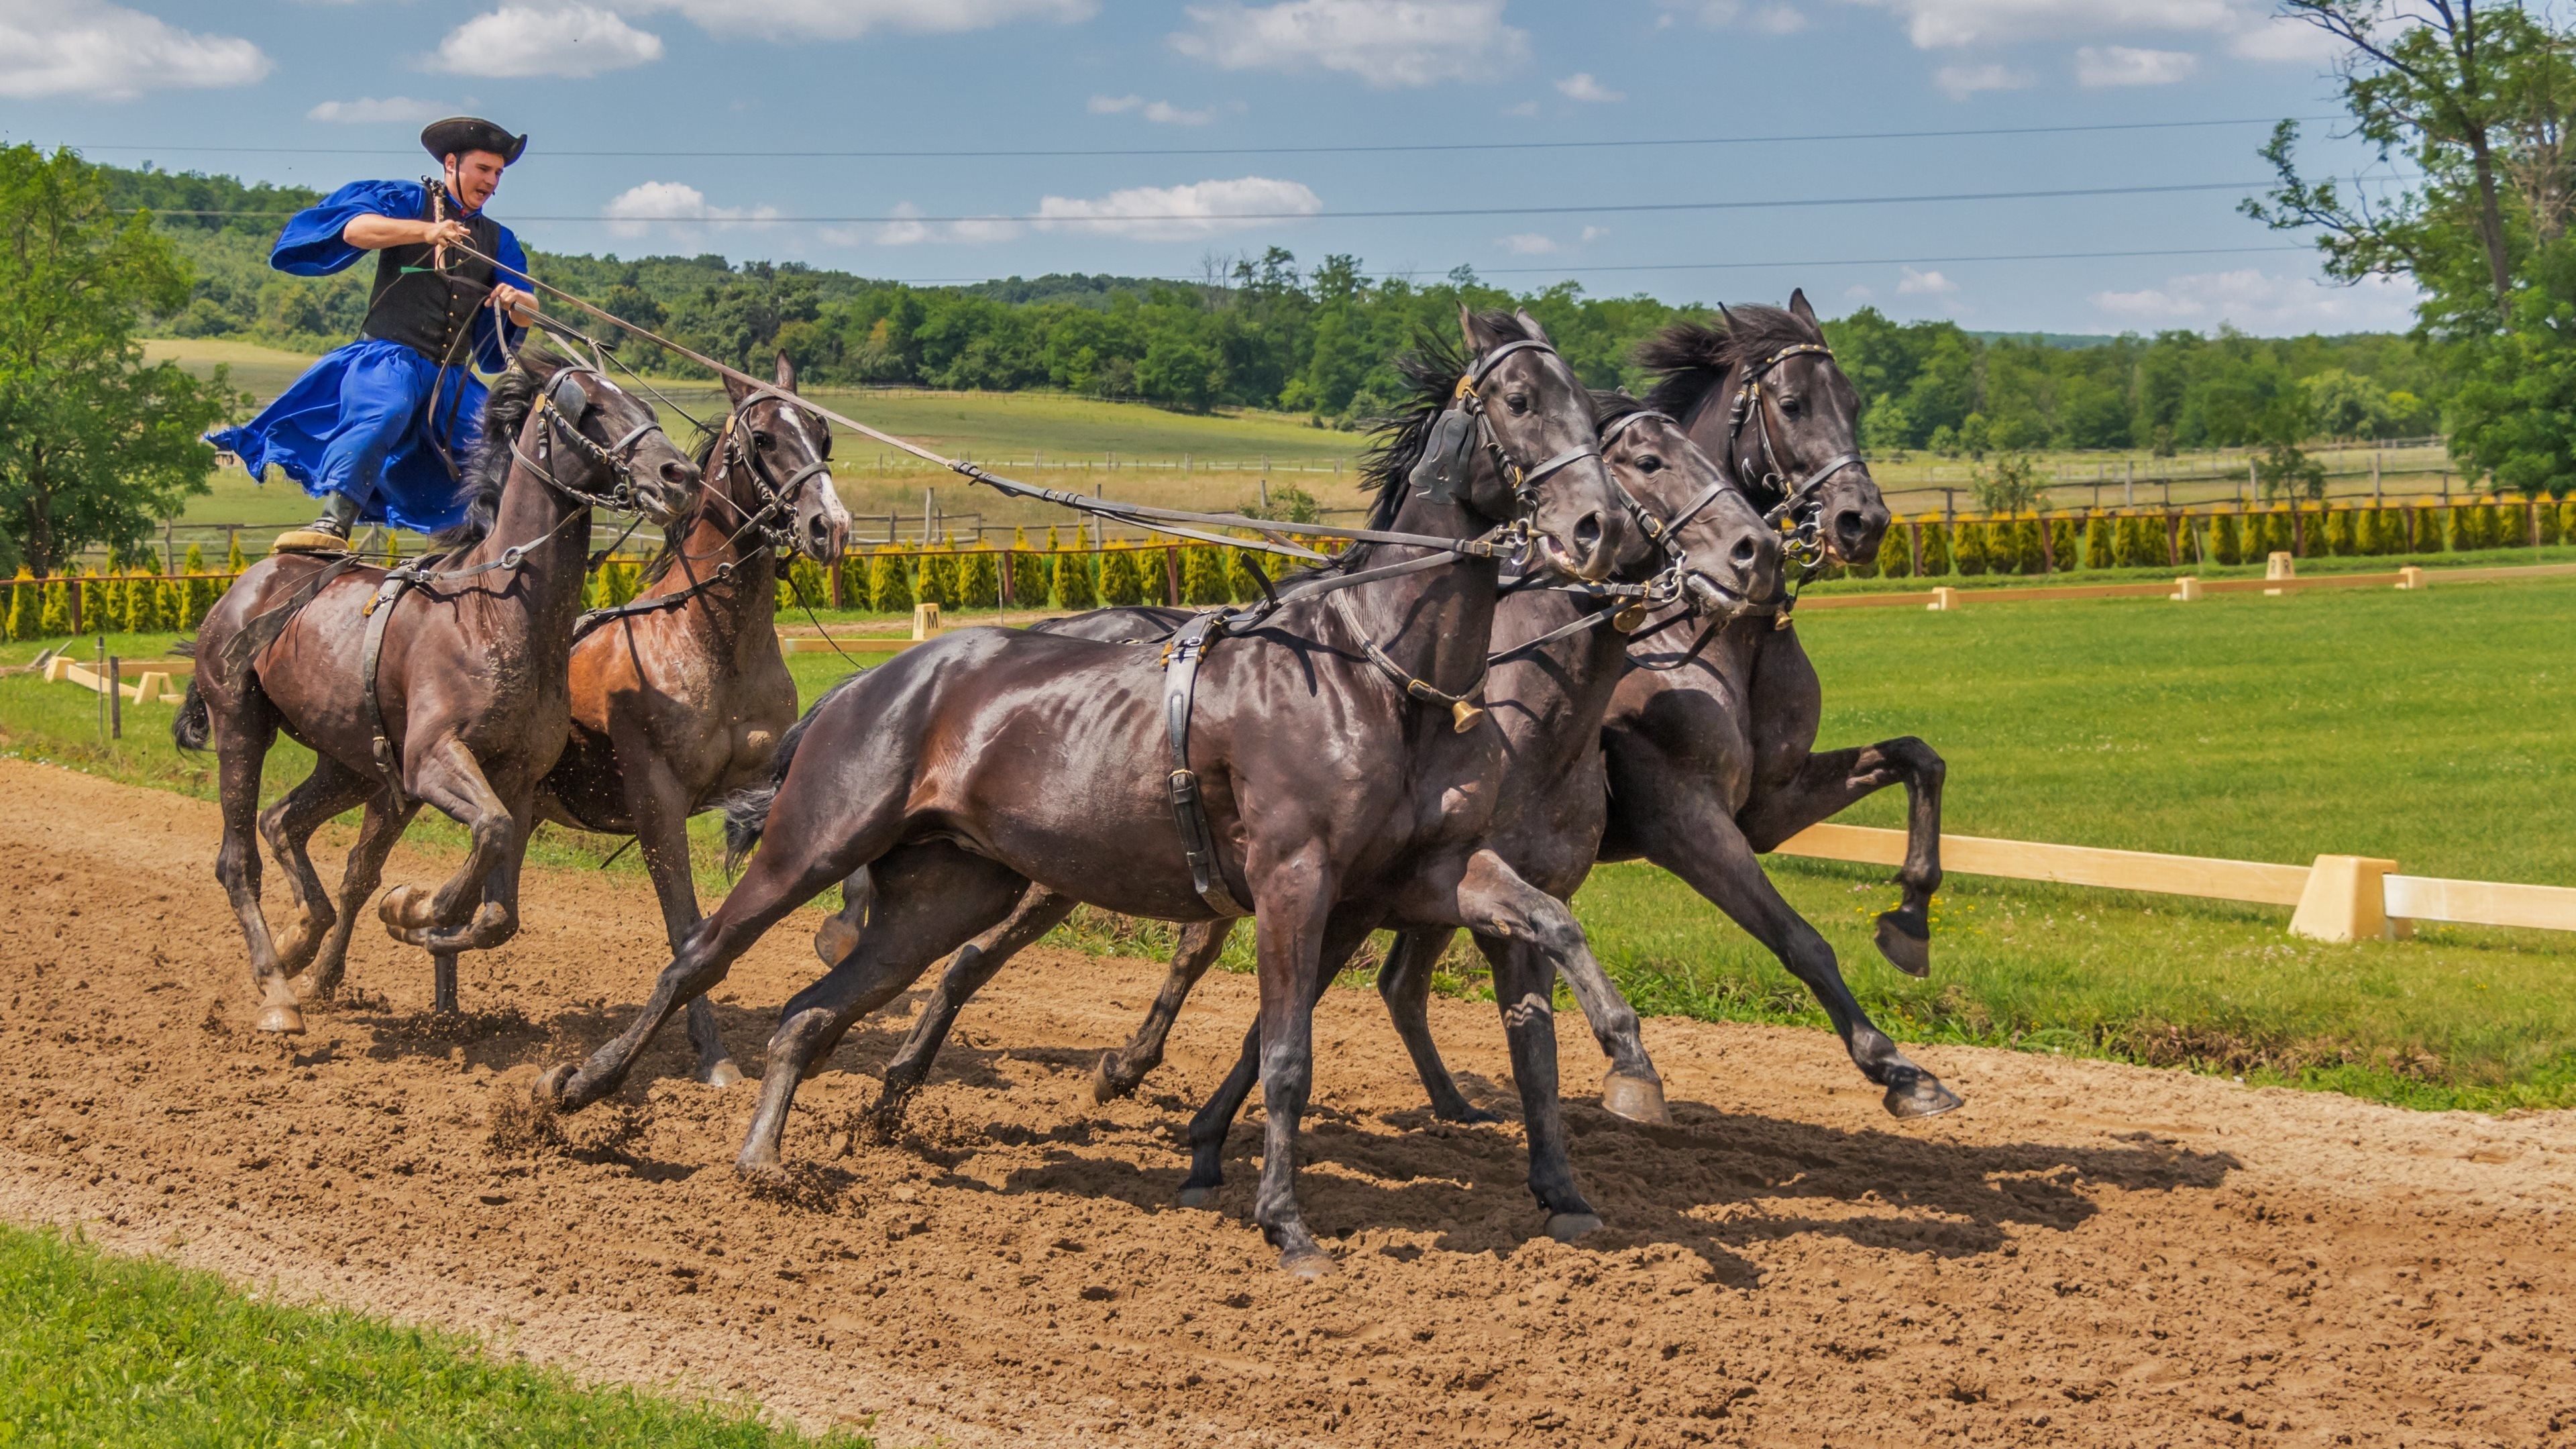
(1172, 576)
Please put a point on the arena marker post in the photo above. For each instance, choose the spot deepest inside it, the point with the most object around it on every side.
(2279, 566)
(2345, 900)
(2410, 577)
(1944, 599)
(2186, 590)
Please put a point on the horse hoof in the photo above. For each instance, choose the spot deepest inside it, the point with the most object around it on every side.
(1195, 1196)
(1566, 1227)
(1308, 1263)
(285, 1020)
(390, 909)
(722, 1074)
(1906, 946)
(1468, 1116)
(1922, 1096)
(835, 940)
(1636, 1099)
(1105, 1087)
(550, 1087)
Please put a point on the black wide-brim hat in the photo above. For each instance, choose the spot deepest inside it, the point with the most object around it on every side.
(459, 134)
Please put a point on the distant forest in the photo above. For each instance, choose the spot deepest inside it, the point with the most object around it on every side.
(1315, 340)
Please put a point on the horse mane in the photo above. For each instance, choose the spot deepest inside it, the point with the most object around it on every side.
(1610, 404)
(675, 534)
(1691, 359)
(487, 465)
(1431, 368)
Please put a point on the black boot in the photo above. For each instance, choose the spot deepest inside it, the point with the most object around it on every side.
(326, 534)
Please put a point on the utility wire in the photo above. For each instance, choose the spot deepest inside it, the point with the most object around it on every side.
(1393, 148)
(1603, 209)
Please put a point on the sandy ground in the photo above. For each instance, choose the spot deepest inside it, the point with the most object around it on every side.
(2086, 1254)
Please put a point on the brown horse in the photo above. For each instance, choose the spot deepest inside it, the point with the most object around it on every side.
(966, 770)
(467, 705)
(1549, 690)
(679, 697)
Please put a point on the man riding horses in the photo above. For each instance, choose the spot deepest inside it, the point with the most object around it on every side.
(377, 429)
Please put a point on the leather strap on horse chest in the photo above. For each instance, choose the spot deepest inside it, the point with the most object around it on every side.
(379, 611)
(1198, 840)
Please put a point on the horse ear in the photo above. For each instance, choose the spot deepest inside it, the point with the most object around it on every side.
(1467, 328)
(1529, 324)
(1798, 307)
(735, 389)
(786, 374)
(1727, 318)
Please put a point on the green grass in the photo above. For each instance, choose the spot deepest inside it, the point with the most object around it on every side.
(2424, 727)
(96, 1350)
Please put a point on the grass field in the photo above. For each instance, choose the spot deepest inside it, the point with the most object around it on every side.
(2424, 727)
(98, 1351)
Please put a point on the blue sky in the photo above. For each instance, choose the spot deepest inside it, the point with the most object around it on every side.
(337, 89)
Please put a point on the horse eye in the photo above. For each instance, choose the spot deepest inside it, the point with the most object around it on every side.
(1518, 402)
(1789, 407)
(1650, 464)
(764, 442)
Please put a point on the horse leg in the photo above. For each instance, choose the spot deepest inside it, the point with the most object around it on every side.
(1039, 911)
(1208, 1128)
(376, 836)
(1293, 918)
(1524, 982)
(450, 778)
(839, 933)
(1713, 857)
(1120, 1071)
(1824, 785)
(242, 739)
(659, 807)
(288, 827)
(929, 902)
(800, 857)
(1404, 984)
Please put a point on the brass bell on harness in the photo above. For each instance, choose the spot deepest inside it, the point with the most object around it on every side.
(1631, 618)
(1464, 717)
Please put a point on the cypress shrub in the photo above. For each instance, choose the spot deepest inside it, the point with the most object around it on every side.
(26, 606)
(2567, 520)
(889, 581)
(1971, 549)
(1238, 576)
(2061, 546)
(140, 604)
(979, 579)
(174, 606)
(2124, 541)
(2028, 539)
(2370, 530)
(200, 594)
(2493, 531)
(2099, 550)
(1203, 577)
(2462, 534)
(2343, 540)
(57, 615)
(1936, 551)
(2426, 536)
(806, 586)
(1074, 585)
(2227, 540)
(1030, 576)
(1121, 584)
(936, 581)
(234, 563)
(2545, 518)
(1896, 552)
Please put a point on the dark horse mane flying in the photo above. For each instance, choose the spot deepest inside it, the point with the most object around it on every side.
(487, 466)
(1431, 369)
(1691, 359)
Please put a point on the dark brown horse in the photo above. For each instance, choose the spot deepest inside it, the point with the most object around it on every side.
(1549, 691)
(469, 678)
(967, 770)
(679, 697)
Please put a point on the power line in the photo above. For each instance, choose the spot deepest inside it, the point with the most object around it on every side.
(1394, 148)
(1603, 209)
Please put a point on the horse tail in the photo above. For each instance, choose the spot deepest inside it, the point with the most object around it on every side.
(196, 721)
(746, 812)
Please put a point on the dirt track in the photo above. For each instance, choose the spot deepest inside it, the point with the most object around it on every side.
(2087, 1253)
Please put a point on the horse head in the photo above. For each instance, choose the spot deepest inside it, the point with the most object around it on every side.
(1538, 425)
(779, 467)
(616, 450)
(1727, 557)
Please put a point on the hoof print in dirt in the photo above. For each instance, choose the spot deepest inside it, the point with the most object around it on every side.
(1906, 943)
(801, 1186)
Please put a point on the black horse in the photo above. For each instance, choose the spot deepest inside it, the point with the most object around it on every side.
(1333, 800)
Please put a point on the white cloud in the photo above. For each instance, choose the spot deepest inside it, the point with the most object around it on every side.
(529, 40)
(1161, 113)
(1539, 244)
(1387, 43)
(1580, 86)
(1525, 108)
(1176, 213)
(850, 19)
(676, 208)
(1911, 283)
(906, 230)
(2257, 301)
(1772, 19)
(2284, 39)
(367, 109)
(2121, 65)
(2250, 28)
(1857, 293)
(109, 53)
(1962, 81)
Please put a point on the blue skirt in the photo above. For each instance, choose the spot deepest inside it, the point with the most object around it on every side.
(359, 422)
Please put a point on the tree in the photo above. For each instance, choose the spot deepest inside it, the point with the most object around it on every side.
(2011, 486)
(95, 446)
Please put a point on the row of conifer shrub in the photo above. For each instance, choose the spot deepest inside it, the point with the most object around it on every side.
(131, 595)
(1930, 547)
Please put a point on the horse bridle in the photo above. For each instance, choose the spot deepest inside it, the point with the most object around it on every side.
(776, 499)
(564, 418)
(1797, 514)
(1523, 481)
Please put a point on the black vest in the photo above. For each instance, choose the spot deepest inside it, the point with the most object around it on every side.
(429, 311)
